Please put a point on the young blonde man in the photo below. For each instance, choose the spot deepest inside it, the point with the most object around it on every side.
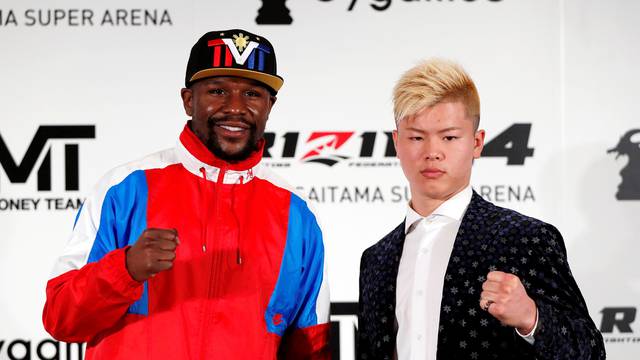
(461, 278)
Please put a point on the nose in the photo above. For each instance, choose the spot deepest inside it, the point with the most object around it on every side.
(432, 151)
(235, 104)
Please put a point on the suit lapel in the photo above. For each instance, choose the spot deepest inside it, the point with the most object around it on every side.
(387, 258)
(463, 327)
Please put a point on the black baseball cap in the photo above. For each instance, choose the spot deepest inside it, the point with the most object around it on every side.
(233, 52)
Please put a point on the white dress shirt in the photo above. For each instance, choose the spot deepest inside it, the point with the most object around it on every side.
(427, 248)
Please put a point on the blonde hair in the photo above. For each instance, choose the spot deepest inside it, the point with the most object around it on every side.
(431, 82)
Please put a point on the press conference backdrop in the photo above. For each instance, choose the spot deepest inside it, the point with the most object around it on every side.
(88, 85)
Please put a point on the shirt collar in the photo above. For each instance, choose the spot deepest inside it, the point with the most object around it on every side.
(197, 159)
(453, 208)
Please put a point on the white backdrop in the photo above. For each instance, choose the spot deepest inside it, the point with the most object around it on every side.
(557, 77)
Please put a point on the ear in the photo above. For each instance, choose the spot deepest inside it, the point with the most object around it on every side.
(187, 100)
(478, 143)
(395, 140)
(272, 100)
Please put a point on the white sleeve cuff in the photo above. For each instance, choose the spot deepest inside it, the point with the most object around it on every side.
(529, 337)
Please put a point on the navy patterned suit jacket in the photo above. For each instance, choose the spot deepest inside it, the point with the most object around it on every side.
(490, 238)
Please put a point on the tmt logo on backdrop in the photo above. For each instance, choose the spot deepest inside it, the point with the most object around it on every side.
(19, 172)
(38, 155)
(629, 145)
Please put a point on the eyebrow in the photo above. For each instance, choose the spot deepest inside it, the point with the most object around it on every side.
(415, 129)
(451, 128)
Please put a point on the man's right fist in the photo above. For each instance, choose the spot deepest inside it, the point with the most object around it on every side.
(154, 251)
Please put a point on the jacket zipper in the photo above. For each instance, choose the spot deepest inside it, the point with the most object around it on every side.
(209, 248)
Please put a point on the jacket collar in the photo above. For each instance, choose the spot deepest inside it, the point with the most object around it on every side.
(197, 159)
(453, 208)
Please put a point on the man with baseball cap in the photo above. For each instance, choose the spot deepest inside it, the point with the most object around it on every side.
(198, 252)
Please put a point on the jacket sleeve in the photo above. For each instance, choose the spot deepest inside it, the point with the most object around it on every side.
(91, 289)
(307, 343)
(308, 334)
(364, 347)
(82, 303)
(565, 329)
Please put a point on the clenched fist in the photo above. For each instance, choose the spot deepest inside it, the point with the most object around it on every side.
(154, 251)
(506, 299)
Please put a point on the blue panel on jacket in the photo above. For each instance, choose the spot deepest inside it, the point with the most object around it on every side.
(122, 219)
(293, 302)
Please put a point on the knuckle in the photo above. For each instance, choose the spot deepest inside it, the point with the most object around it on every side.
(508, 276)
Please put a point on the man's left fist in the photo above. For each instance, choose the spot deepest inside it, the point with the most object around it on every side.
(505, 298)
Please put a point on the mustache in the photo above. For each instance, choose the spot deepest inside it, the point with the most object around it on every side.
(214, 120)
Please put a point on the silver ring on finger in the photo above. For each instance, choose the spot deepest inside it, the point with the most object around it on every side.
(487, 305)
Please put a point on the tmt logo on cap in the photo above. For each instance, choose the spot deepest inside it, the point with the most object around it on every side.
(233, 53)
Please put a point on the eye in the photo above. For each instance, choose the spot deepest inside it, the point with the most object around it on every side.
(450, 138)
(253, 93)
(415, 138)
(216, 91)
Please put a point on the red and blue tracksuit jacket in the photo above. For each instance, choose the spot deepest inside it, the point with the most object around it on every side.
(248, 281)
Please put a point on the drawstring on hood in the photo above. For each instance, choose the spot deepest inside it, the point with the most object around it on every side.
(235, 217)
(205, 210)
(234, 211)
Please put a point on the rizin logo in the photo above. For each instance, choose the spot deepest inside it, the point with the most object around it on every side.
(617, 325)
(331, 147)
(629, 145)
(376, 149)
(620, 318)
(325, 146)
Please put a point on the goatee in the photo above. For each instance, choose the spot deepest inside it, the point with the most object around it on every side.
(213, 144)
